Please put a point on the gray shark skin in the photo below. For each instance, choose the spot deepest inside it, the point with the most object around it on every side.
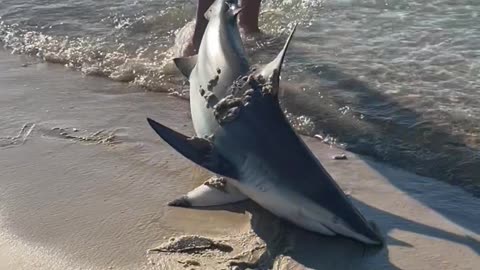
(221, 60)
(274, 168)
(244, 135)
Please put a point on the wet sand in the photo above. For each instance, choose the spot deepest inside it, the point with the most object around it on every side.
(84, 184)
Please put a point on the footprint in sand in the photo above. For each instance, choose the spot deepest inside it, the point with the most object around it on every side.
(21, 137)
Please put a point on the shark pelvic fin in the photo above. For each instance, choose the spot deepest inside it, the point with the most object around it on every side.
(198, 150)
(186, 64)
(215, 191)
(272, 70)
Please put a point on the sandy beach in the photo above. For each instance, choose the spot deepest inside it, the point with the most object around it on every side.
(84, 184)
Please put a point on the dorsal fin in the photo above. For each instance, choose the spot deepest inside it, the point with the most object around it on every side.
(198, 150)
(274, 68)
(186, 64)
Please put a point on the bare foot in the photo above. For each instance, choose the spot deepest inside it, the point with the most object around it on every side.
(185, 41)
(248, 35)
(247, 22)
(248, 18)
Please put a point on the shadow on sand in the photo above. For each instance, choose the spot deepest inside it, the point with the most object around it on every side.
(316, 251)
(402, 137)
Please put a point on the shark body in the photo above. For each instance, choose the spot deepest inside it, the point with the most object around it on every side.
(243, 135)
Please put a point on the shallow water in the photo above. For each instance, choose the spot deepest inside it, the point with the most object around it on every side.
(84, 185)
(396, 80)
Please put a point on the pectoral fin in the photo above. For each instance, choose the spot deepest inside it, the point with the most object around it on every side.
(200, 151)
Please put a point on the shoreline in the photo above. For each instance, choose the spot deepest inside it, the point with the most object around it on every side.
(87, 189)
(440, 146)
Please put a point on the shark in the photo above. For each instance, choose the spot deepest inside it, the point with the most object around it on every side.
(243, 136)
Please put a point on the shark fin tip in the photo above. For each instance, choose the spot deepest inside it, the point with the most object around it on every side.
(186, 64)
(180, 202)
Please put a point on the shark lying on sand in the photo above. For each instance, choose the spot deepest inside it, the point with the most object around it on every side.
(243, 135)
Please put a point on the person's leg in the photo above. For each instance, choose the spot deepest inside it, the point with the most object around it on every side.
(201, 22)
(200, 25)
(248, 17)
(247, 21)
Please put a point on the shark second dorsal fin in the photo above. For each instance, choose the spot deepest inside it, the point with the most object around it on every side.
(186, 64)
(198, 150)
(273, 69)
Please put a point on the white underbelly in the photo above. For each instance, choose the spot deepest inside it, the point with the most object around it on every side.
(203, 119)
(290, 206)
(298, 209)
